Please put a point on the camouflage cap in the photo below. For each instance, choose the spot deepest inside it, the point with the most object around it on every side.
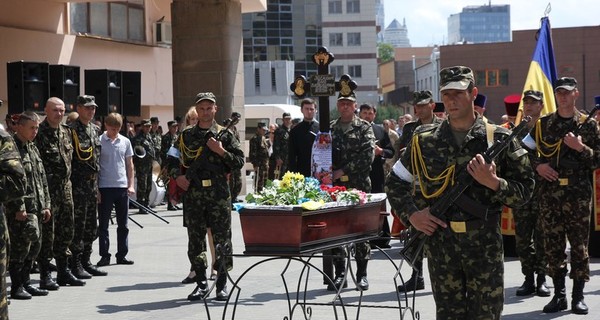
(87, 101)
(262, 125)
(422, 97)
(286, 115)
(351, 97)
(206, 96)
(566, 83)
(458, 77)
(534, 94)
(154, 120)
(171, 123)
(146, 122)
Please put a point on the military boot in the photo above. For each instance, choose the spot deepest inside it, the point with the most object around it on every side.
(541, 288)
(17, 291)
(559, 301)
(201, 289)
(46, 281)
(65, 277)
(361, 275)
(89, 267)
(77, 268)
(528, 287)
(25, 278)
(578, 306)
(222, 294)
(340, 271)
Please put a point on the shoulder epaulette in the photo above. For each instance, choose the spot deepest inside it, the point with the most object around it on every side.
(425, 127)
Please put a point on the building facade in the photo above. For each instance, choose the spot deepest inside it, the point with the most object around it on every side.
(396, 34)
(480, 24)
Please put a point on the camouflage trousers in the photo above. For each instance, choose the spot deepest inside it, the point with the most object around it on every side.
(23, 248)
(85, 215)
(235, 183)
(565, 214)
(467, 273)
(273, 166)
(62, 215)
(4, 244)
(208, 207)
(261, 177)
(529, 238)
(143, 176)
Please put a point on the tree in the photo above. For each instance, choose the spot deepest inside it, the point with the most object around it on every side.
(386, 52)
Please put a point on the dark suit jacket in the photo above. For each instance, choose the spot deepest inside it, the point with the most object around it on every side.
(302, 137)
(382, 141)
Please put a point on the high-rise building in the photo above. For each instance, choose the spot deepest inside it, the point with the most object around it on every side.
(480, 24)
(396, 34)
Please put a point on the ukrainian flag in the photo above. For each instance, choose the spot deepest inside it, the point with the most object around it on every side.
(542, 70)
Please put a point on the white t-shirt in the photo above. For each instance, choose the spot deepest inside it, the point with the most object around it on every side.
(113, 172)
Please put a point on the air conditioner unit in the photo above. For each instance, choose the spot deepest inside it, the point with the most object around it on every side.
(162, 33)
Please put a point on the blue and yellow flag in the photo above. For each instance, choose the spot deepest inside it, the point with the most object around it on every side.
(542, 70)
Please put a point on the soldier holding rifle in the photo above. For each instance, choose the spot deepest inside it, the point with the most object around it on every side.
(259, 156)
(464, 244)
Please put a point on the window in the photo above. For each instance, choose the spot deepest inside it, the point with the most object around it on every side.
(353, 39)
(355, 71)
(491, 78)
(123, 20)
(336, 39)
(273, 80)
(257, 79)
(335, 6)
(353, 6)
(337, 71)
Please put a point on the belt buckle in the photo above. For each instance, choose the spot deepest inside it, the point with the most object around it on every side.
(344, 179)
(206, 183)
(563, 181)
(458, 226)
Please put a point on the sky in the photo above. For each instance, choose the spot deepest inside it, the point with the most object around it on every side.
(426, 20)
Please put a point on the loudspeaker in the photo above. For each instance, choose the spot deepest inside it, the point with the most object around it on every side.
(28, 87)
(132, 93)
(65, 84)
(105, 86)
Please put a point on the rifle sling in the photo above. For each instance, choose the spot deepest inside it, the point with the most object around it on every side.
(472, 207)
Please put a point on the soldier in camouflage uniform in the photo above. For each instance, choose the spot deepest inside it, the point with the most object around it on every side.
(209, 153)
(56, 150)
(13, 186)
(235, 180)
(156, 138)
(465, 257)
(529, 237)
(278, 162)
(84, 180)
(144, 149)
(167, 141)
(568, 150)
(259, 156)
(26, 240)
(353, 143)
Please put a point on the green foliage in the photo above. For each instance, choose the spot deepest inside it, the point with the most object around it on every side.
(386, 52)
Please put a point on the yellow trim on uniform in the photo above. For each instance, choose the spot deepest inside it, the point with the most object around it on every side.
(187, 153)
(555, 147)
(418, 164)
(78, 149)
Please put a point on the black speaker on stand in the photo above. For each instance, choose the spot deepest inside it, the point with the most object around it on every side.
(105, 86)
(28, 86)
(65, 84)
(132, 93)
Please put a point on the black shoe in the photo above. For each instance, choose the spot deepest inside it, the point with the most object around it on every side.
(171, 207)
(104, 261)
(556, 304)
(34, 291)
(363, 284)
(542, 290)
(124, 261)
(67, 278)
(579, 307)
(412, 284)
(337, 283)
(91, 269)
(222, 295)
(189, 280)
(49, 284)
(80, 273)
(19, 294)
(527, 288)
(199, 292)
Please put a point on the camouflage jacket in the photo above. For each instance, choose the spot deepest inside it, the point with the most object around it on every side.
(13, 182)
(353, 152)
(439, 151)
(259, 150)
(157, 143)
(552, 129)
(146, 141)
(86, 149)
(166, 142)
(407, 134)
(56, 150)
(212, 165)
(38, 197)
(281, 144)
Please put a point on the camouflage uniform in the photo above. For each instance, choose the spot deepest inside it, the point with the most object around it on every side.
(353, 152)
(143, 166)
(12, 191)
(466, 268)
(157, 143)
(235, 180)
(166, 142)
(259, 157)
(207, 202)
(56, 151)
(84, 179)
(24, 247)
(565, 204)
(281, 144)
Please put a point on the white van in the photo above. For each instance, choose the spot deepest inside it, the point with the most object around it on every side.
(267, 113)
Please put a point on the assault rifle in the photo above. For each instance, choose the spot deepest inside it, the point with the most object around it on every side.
(417, 239)
(554, 162)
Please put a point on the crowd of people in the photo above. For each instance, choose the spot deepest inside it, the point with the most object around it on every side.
(61, 182)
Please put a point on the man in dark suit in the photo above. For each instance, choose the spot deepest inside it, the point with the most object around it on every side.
(383, 150)
(302, 138)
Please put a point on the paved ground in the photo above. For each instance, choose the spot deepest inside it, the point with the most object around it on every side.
(151, 288)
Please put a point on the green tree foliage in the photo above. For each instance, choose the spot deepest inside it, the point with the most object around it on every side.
(386, 52)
